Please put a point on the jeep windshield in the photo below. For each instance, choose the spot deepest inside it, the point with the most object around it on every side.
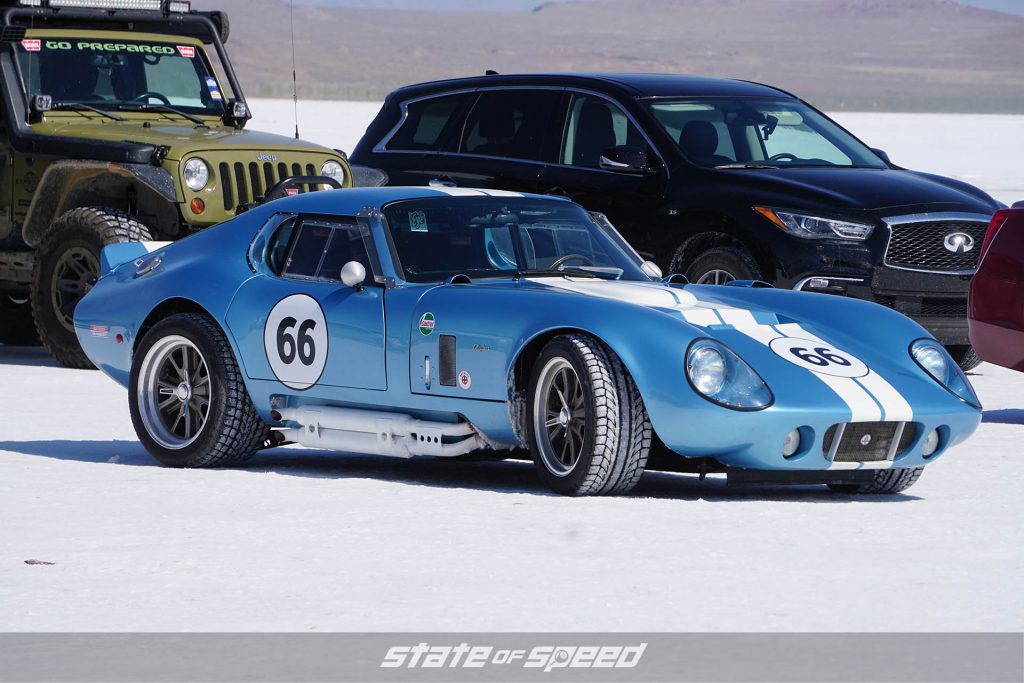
(120, 75)
(759, 133)
(499, 237)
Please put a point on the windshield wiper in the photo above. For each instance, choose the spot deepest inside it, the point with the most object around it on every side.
(88, 107)
(741, 165)
(541, 272)
(162, 108)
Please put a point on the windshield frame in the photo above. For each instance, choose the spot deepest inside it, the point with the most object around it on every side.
(219, 111)
(610, 242)
(852, 146)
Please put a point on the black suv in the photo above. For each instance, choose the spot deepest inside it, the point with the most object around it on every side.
(716, 179)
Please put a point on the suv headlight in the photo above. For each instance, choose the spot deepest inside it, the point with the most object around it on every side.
(332, 169)
(722, 377)
(935, 360)
(815, 227)
(196, 174)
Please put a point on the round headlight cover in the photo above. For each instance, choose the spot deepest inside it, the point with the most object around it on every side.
(722, 377)
(332, 169)
(936, 361)
(196, 173)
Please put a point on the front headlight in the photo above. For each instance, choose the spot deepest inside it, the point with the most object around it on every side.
(719, 375)
(936, 361)
(815, 227)
(196, 173)
(332, 169)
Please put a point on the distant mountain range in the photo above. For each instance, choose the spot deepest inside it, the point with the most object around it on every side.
(891, 55)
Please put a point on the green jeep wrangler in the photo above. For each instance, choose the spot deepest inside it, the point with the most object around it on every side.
(122, 121)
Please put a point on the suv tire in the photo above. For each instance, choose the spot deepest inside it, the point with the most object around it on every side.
(67, 267)
(17, 327)
(721, 265)
(965, 356)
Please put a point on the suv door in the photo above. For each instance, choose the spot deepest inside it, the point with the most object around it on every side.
(594, 124)
(505, 140)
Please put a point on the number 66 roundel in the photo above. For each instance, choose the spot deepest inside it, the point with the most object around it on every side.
(819, 357)
(295, 339)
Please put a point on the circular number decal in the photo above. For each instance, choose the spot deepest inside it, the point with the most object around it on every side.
(818, 357)
(295, 339)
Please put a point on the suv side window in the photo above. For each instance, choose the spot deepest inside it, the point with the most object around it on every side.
(510, 123)
(594, 125)
(318, 248)
(429, 123)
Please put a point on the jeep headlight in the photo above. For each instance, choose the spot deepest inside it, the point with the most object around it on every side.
(196, 173)
(332, 169)
(815, 227)
(719, 375)
(937, 362)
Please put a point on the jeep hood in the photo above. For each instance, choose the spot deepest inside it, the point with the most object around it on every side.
(181, 138)
(863, 189)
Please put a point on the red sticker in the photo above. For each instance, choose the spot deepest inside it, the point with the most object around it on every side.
(99, 330)
(32, 44)
(187, 51)
(292, 191)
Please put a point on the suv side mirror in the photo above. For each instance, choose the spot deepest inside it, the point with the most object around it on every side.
(881, 154)
(625, 159)
(353, 274)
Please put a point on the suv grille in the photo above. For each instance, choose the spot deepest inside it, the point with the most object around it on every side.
(881, 434)
(920, 246)
(242, 183)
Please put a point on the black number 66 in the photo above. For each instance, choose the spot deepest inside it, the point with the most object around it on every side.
(821, 356)
(288, 345)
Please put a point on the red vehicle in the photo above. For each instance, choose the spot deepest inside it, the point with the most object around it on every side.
(996, 306)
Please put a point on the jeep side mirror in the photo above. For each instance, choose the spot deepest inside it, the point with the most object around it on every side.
(353, 274)
(625, 159)
(880, 153)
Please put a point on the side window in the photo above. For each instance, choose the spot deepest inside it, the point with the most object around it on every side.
(594, 125)
(429, 123)
(317, 248)
(510, 123)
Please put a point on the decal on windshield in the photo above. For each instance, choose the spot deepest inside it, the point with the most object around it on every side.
(188, 51)
(32, 44)
(211, 85)
(427, 323)
(417, 221)
(110, 47)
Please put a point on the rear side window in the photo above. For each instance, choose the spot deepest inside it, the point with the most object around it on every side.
(512, 123)
(318, 248)
(429, 123)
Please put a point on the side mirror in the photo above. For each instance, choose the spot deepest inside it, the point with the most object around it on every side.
(353, 274)
(881, 154)
(651, 270)
(625, 159)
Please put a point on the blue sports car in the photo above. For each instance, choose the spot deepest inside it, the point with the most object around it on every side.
(444, 321)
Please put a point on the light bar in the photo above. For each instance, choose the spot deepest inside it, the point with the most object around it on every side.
(178, 6)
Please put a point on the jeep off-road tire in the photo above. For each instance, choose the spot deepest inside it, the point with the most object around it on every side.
(187, 398)
(721, 265)
(588, 430)
(884, 482)
(17, 328)
(965, 356)
(67, 266)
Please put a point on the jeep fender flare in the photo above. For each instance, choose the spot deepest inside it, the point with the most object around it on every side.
(69, 184)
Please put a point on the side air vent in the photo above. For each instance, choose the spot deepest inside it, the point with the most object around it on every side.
(447, 354)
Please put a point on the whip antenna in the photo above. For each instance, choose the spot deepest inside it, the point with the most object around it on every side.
(295, 80)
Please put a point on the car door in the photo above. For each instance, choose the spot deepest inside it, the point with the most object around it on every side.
(295, 322)
(505, 140)
(592, 125)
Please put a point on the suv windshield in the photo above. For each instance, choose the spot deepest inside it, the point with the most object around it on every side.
(501, 237)
(753, 132)
(119, 75)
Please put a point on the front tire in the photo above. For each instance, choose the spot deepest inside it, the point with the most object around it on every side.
(885, 482)
(67, 267)
(188, 402)
(722, 265)
(965, 356)
(588, 430)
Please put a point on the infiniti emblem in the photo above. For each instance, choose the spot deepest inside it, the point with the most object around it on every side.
(958, 242)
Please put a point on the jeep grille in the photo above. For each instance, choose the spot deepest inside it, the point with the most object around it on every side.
(920, 246)
(242, 183)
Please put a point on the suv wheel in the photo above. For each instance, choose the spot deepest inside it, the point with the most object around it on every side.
(965, 356)
(67, 267)
(17, 327)
(721, 265)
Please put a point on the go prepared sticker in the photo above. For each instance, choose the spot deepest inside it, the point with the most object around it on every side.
(427, 323)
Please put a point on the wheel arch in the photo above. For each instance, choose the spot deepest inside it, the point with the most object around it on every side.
(169, 307)
(704, 230)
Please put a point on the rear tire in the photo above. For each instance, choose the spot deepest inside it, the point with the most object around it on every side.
(588, 430)
(67, 267)
(965, 356)
(17, 327)
(187, 398)
(721, 265)
(884, 482)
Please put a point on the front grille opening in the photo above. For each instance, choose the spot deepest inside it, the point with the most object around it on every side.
(868, 441)
(921, 246)
(944, 308)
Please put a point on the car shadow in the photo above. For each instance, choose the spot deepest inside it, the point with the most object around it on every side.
(502, 476)
(1004, 416)
(30, 356)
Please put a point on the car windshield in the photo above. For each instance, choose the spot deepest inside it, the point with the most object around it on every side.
(121, 75)
(494, 237)
(758, 133)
